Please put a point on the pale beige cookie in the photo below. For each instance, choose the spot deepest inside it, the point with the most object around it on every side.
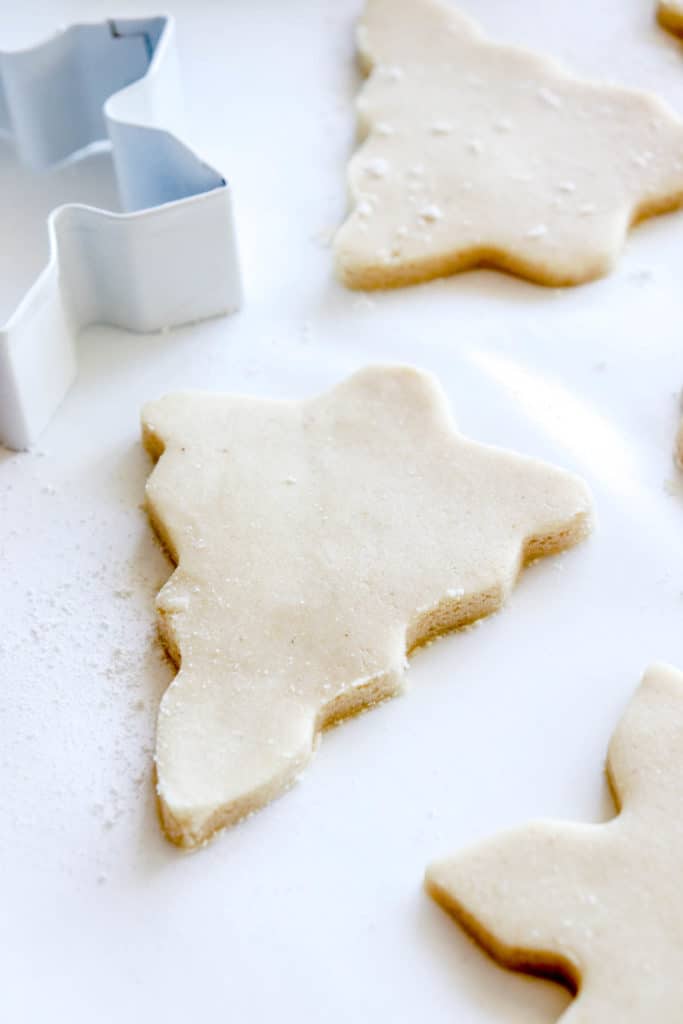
(678, 447)
(476, 153)
(599, 906)
(670, 16)
(317, 542)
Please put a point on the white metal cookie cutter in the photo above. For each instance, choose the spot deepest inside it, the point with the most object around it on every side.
(170, 258)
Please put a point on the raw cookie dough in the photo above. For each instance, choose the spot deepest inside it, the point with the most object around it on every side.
(317, 542)
(670, 16)
(599, 906)
(476, 153)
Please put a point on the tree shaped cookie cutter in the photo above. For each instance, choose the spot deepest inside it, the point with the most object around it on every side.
(171, 256)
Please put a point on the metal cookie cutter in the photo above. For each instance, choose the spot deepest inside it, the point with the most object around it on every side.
(169, 259)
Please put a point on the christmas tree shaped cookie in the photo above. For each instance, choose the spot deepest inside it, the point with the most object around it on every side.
(316, 543)
(670, 16)
(600, 906)
(479, 154)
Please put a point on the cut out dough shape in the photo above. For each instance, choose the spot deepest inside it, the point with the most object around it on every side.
(670, 16)
(317, 542)
(599, 906)
(476, 153)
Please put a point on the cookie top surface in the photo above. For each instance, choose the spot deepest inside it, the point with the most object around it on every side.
(599, 905)
(317, 542)
(476, 153)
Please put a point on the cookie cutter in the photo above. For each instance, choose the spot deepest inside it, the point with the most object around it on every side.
(170, 258)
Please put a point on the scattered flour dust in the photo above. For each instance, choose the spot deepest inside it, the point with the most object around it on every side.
(81, 669)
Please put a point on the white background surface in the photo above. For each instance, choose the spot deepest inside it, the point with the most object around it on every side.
(313, 910)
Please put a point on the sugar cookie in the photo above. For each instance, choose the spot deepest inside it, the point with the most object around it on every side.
(317, 542)
(479, 154)
(670, 16)
(599, 906)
